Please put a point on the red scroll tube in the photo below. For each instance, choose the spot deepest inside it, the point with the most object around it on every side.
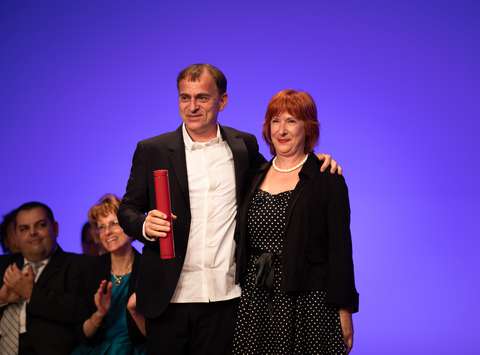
(162, 199)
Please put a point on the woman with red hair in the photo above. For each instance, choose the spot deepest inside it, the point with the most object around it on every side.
(294, 256)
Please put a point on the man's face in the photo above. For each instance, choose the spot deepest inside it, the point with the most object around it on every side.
(36, 234)
(199, 103)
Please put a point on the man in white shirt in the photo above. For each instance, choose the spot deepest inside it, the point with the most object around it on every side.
(189, 302)
(39, 288)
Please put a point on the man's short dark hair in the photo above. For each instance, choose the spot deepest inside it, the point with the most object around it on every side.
(194, 71)
(35, 204)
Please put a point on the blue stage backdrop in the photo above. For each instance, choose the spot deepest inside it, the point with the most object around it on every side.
(397, 88)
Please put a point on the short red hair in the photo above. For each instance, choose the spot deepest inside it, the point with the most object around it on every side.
(300, 105)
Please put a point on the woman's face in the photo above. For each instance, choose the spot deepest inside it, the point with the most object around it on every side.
(11, 240)
(287, 135)
(111, 235)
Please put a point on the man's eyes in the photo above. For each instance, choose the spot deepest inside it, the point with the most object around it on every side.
(199, 98)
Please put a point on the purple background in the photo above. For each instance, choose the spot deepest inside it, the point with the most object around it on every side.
(397, 88)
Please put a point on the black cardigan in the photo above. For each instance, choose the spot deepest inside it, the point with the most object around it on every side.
(99, 268)
(317, 251)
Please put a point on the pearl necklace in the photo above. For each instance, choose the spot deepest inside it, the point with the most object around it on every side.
(289, 170)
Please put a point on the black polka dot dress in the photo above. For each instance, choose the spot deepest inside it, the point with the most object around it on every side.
(269, 320)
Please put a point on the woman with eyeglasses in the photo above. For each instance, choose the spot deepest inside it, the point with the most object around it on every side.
(109, 328)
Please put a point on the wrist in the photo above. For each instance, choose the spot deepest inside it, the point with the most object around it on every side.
(345, 311)
(132, 311)
(27, 294)
(96, 319)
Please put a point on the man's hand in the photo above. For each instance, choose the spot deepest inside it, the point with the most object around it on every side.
(157, 225)
(347, 328)
(8, 296)
(327, 160)
(20, 282)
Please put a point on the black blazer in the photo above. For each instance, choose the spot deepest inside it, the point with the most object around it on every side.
(53, 312)
(158, 278)
(317, 252)
(98, 269)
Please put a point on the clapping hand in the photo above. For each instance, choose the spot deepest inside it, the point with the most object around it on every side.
(103, 298)
(8, 296)
(20, 282)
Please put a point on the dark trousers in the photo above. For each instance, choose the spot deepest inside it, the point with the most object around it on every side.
(193, 329)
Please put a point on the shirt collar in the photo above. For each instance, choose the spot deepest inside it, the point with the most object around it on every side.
(192, 145)
(37, 264)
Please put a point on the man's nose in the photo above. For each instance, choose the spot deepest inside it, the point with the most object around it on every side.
(193, 105)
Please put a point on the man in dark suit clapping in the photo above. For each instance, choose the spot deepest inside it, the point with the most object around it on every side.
(38, 288)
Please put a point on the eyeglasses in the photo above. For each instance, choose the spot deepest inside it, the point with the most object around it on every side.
(113, 225)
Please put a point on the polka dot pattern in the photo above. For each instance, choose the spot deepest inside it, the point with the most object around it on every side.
(272, 321)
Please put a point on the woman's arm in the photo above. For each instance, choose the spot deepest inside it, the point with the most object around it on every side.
(340, 281)
(102, 300)
(137, 317)
(347, 328)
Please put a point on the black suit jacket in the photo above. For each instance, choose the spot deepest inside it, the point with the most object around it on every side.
(99, 268)
(158, 278)
(53, 312)
(317, 251)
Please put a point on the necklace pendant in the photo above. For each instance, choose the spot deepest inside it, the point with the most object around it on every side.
(118, 279)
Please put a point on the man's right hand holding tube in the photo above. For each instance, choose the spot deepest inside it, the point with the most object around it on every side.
(156, 224)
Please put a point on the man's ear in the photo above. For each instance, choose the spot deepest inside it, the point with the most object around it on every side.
(223, 101)
(55, 229)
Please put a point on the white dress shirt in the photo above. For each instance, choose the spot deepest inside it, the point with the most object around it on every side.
(23, 311)
(208, 272)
